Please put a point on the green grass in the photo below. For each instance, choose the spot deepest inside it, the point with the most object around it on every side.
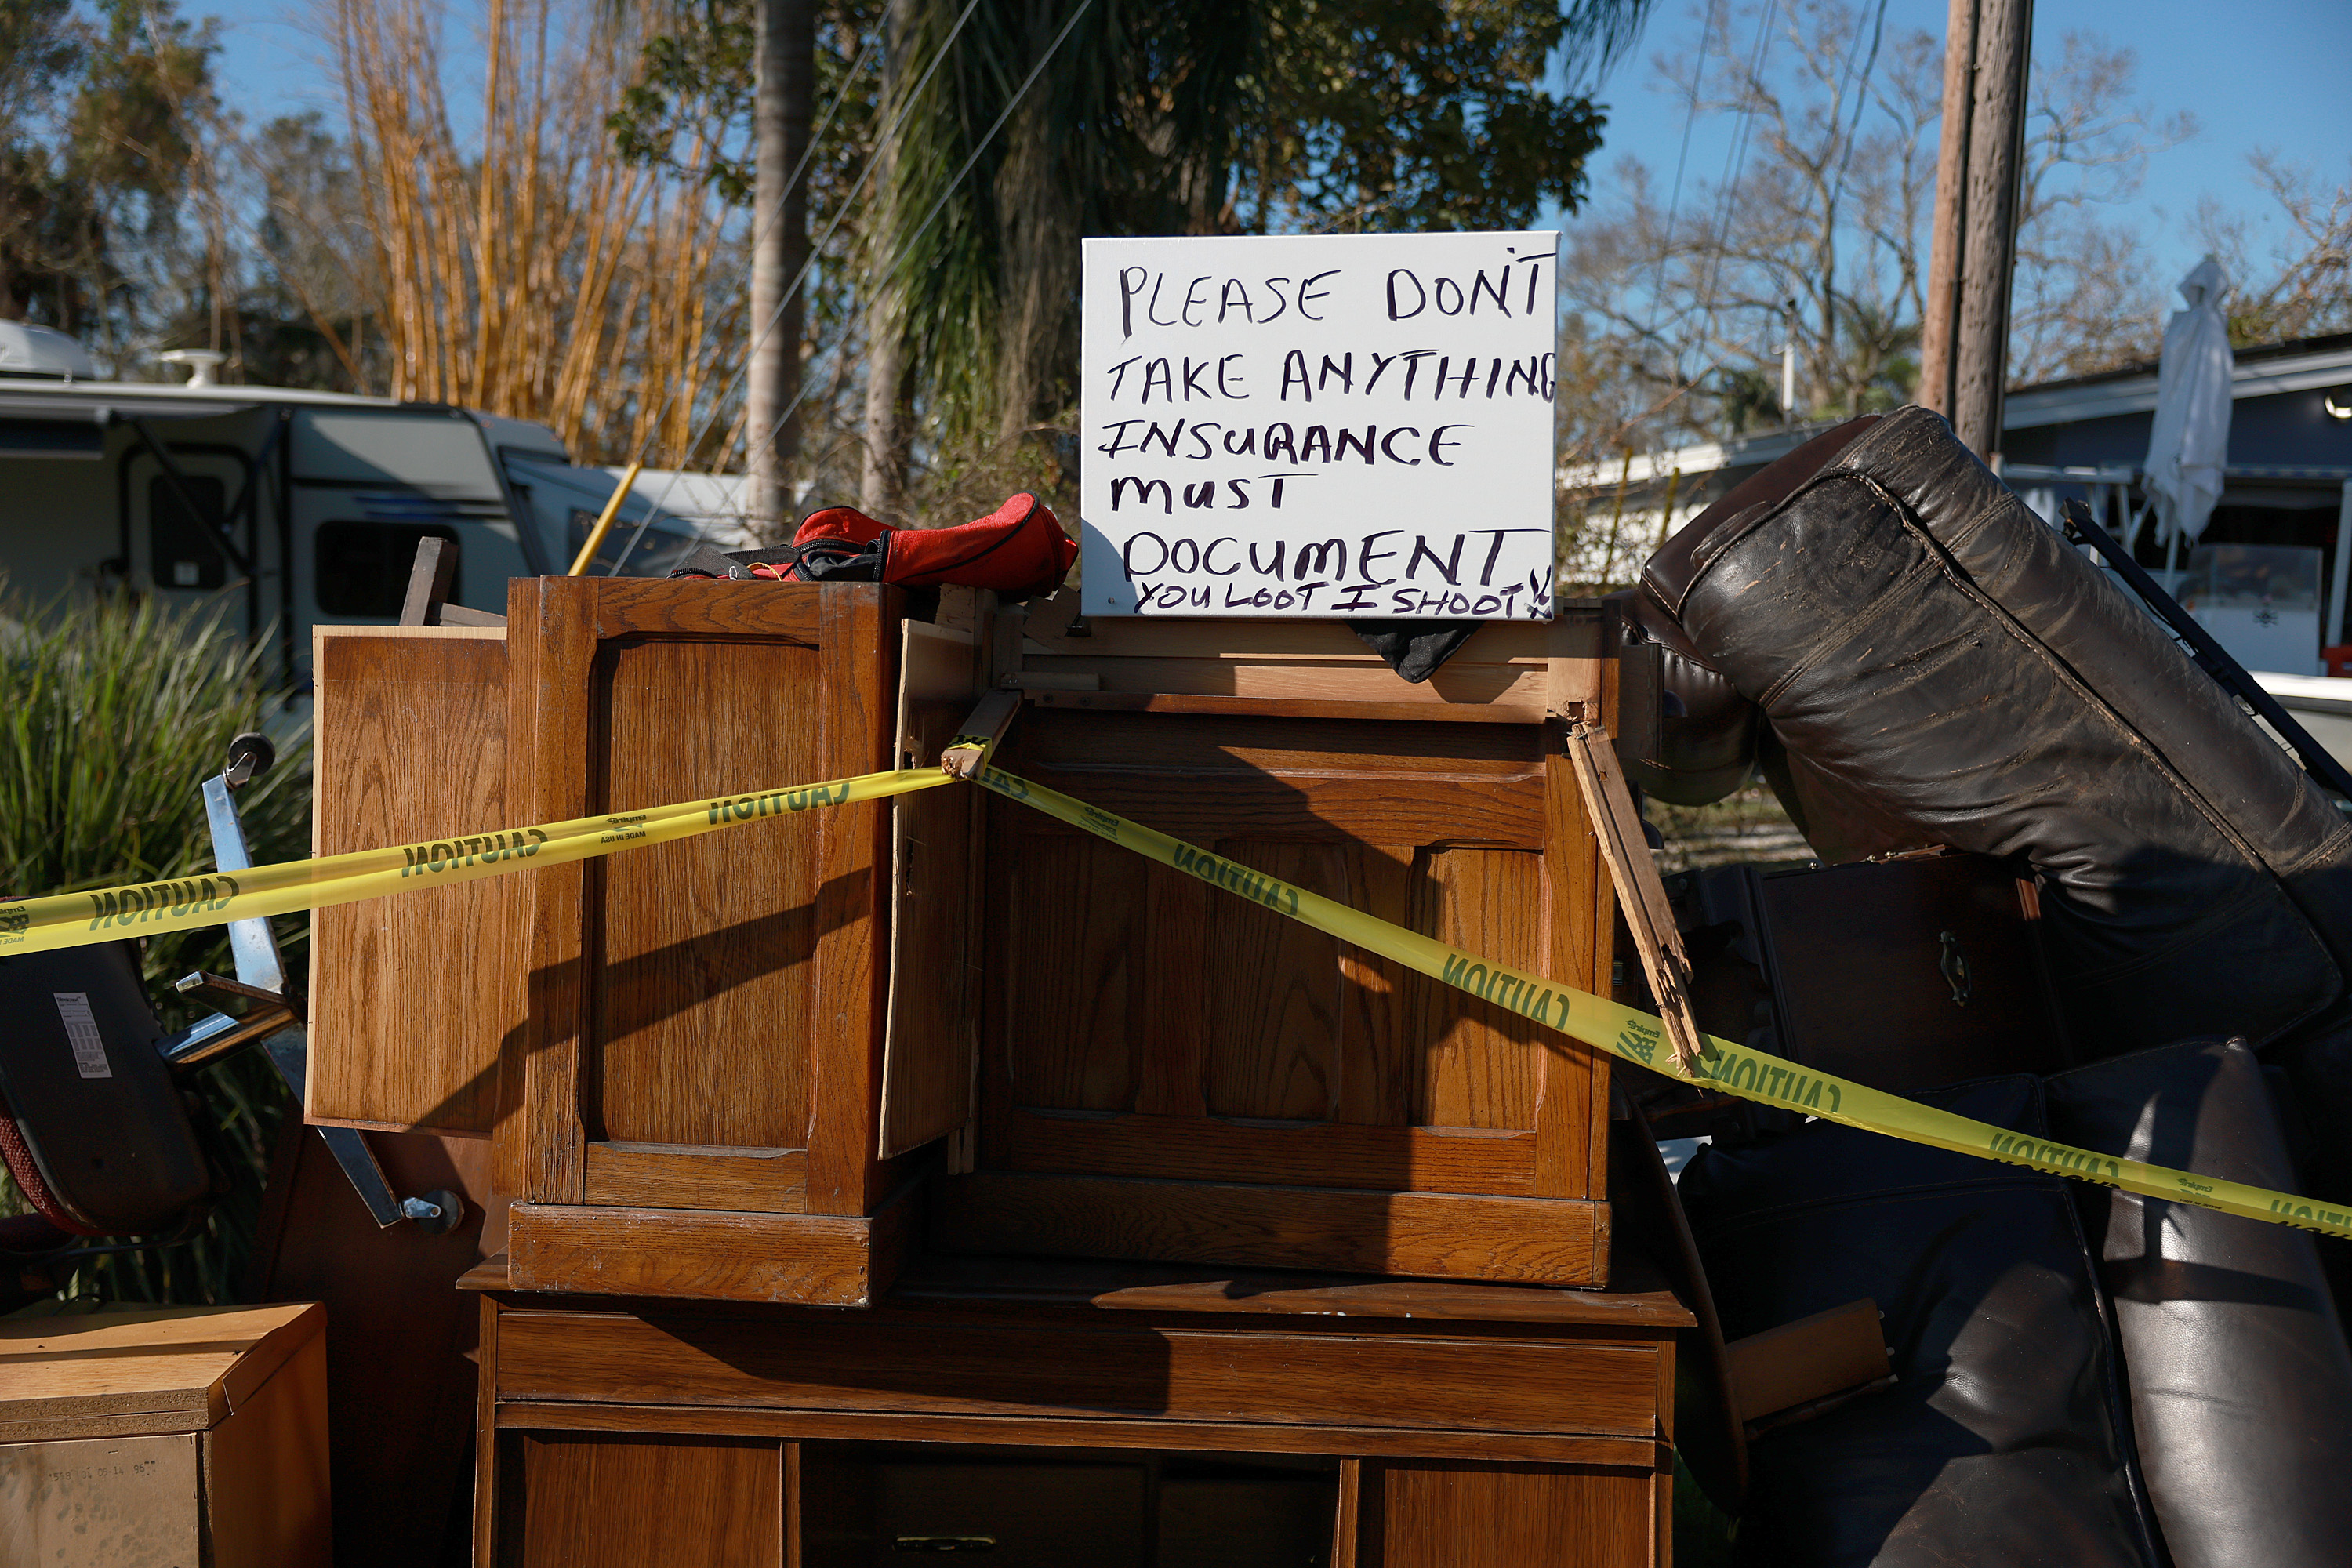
(111, 715)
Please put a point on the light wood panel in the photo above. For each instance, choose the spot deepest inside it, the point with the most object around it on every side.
(695, 1176)
(833, 1261)
(412, 997)
(853, 1362)
(136, 1373)
(1457, 1515)
(1081, 1432)
(600, 1500)
(703, 991)
(930, 1032)
(1444, 1235)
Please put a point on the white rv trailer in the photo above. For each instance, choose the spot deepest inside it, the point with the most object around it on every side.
(296, 508)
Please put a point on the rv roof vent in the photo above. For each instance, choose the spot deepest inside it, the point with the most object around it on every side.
(41, 351)
(201, 364)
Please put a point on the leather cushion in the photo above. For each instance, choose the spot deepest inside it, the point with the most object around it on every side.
(2005, 1438)
(2240, 1383)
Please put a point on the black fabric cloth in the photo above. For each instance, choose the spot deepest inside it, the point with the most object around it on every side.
(2005, 1439)
(1937, 666)
(1415, 649)
(2240, 1383)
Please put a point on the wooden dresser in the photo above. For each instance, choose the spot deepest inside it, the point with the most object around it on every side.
(1075, 1414)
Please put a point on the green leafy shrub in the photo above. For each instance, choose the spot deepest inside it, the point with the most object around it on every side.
(112, 713)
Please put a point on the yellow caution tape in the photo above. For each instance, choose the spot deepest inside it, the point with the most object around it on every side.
(106, 915)
(1637, 1037)
(214, 898)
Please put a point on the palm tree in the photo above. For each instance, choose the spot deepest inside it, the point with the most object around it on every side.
(1047, 119)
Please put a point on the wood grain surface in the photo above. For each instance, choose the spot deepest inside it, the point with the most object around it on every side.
(267, 1494)
(412, 997)
(609, 1500)
(1445, 1235)
(1457, 1514)
(697, 1177)
(144, 1371)
(823, 1259)
(704, 991)
(1075, 1431)
(852, 1363)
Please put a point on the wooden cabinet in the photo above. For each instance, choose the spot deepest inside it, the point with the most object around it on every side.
(1171, 1071)
(162, 1438)
(1083, 1416)
(704, 1109)
(711, 1064)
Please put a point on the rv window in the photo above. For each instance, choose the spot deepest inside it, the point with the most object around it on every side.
(362, 568)
(181, 552)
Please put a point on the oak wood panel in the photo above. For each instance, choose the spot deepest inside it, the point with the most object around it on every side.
(551, 650)
(1427, 711)
(1520, 685)
(1309, 1153)
(1076, 1432)
(855, 706)
(1168, 1058)
(724, 608)
(1450, 1236)
(1479, 1064)
(1069, 954)
(697, 1177)
(1275, 995)
(1457, 1515)
(1637, 1302)
(1211, 777)
(1377, 1076)
(265, 1468)
(835, 1260)
(703, 993)
(410, 996)
(931, 1030)
(814, 1362)
(606, 1500)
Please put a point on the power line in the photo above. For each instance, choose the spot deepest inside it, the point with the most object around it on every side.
(815, 251)
(978, 148)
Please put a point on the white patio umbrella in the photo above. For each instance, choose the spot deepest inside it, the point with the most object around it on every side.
(2190, 443)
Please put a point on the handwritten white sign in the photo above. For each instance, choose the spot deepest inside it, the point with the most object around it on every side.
(1354, 425)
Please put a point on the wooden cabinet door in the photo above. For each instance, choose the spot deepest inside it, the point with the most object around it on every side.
(704, 1037)
(1142, 1026)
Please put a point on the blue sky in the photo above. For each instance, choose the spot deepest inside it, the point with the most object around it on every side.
(2256, 73)
(2275, 73)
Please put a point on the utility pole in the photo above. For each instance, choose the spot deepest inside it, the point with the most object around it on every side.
(1973, 262)
(786, 62)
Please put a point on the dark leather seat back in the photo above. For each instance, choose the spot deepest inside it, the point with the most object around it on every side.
(91, 1125)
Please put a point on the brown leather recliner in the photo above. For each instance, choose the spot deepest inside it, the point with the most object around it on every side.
(1935, 666)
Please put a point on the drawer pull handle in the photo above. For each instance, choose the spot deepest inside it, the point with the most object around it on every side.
(1956, 971)
(946, 1543)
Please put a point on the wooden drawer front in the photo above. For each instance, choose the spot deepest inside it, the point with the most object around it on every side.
(704, 987)
(1453, 1515)
(411, 995)
(1521, 1385)
(664, 1502)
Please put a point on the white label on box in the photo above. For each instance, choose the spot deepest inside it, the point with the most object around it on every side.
(81, 1028)
(1354, 425)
